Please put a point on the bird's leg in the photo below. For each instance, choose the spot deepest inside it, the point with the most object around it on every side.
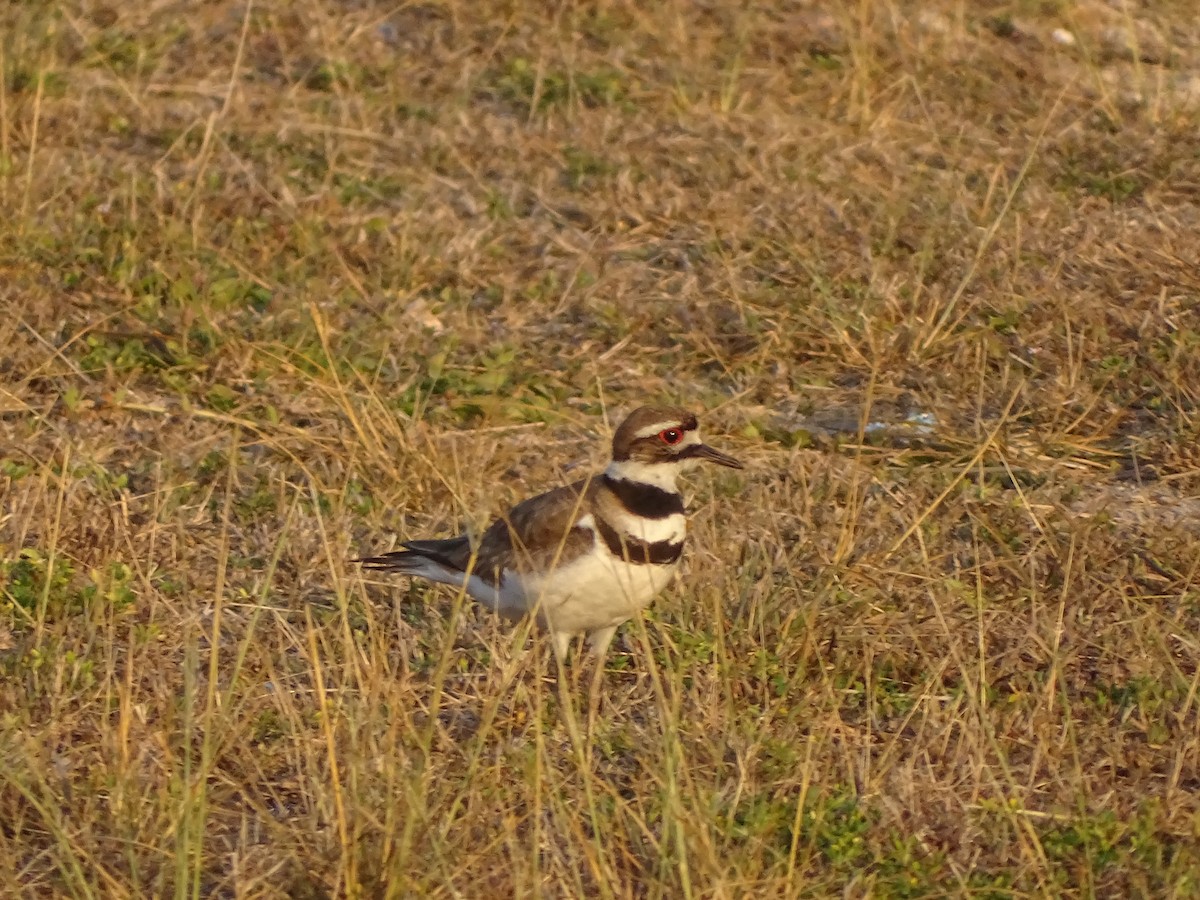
(567, 685)
(561, 641)
(598, 642)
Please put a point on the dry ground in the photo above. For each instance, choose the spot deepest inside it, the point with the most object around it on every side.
(287, 282)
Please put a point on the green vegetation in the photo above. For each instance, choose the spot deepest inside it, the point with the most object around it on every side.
(280, 285)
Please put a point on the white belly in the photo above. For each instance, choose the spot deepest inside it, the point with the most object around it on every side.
(596, 590)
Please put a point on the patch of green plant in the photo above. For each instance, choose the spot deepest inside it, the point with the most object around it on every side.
(123, 353)
(887, 696)
(231, 290)
(1153, 699)
(991, 886)
(119, 50)
(500, 383)
(261, 500)
(727, 485)
(131, 53)
(499, 207)
(779, 757)
(1099, 177)
(695, 647)
(1004, 322)
(147, 633)
(31, 577)
(269, 727)
(520, 84)
(415, 112)
(170, 585)
(837, 824)
(584, 168)
(891, 697)
(213, 464)
(249, 562)
(381, 188)
(846, 303)
(113, 584)
(770, 670)
(788, 437)
(1136, 692)
(165, 359)
(106, 482)
(340, 74)
(906, 870)
(267, 412)
(304, 164)
(78, 670)
(601, 88)
(357, 497)
(222, 398)
(321, 505)
(764, 818)
(615, 742)
(19, 80)
(1092, 840)
(15, 469)
(824, 59)
(545, 287)
(327, 75)
(1117, 365)
(309, 357)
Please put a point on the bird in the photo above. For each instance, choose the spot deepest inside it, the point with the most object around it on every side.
(585, 557)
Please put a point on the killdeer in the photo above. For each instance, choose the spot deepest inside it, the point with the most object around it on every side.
(585, 557)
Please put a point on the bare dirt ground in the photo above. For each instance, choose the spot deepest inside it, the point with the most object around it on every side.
(284, 283)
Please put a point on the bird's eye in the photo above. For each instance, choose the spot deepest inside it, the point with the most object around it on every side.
(671, 436)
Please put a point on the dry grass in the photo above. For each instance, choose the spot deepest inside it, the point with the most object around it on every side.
(283, 283)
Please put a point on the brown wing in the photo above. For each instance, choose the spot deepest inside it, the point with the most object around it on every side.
(539, 532)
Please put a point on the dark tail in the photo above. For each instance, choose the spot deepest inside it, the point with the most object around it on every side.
(397, 561)
(410, 560)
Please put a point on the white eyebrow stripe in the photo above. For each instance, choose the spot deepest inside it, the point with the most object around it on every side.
(652, 430)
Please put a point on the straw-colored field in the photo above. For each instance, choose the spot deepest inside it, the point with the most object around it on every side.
(281, 284)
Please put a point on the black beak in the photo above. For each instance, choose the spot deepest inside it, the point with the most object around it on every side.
(703, 451)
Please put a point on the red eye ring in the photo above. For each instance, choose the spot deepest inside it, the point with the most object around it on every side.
(671, 436)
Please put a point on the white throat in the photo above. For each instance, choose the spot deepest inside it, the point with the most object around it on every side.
(660, 475)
